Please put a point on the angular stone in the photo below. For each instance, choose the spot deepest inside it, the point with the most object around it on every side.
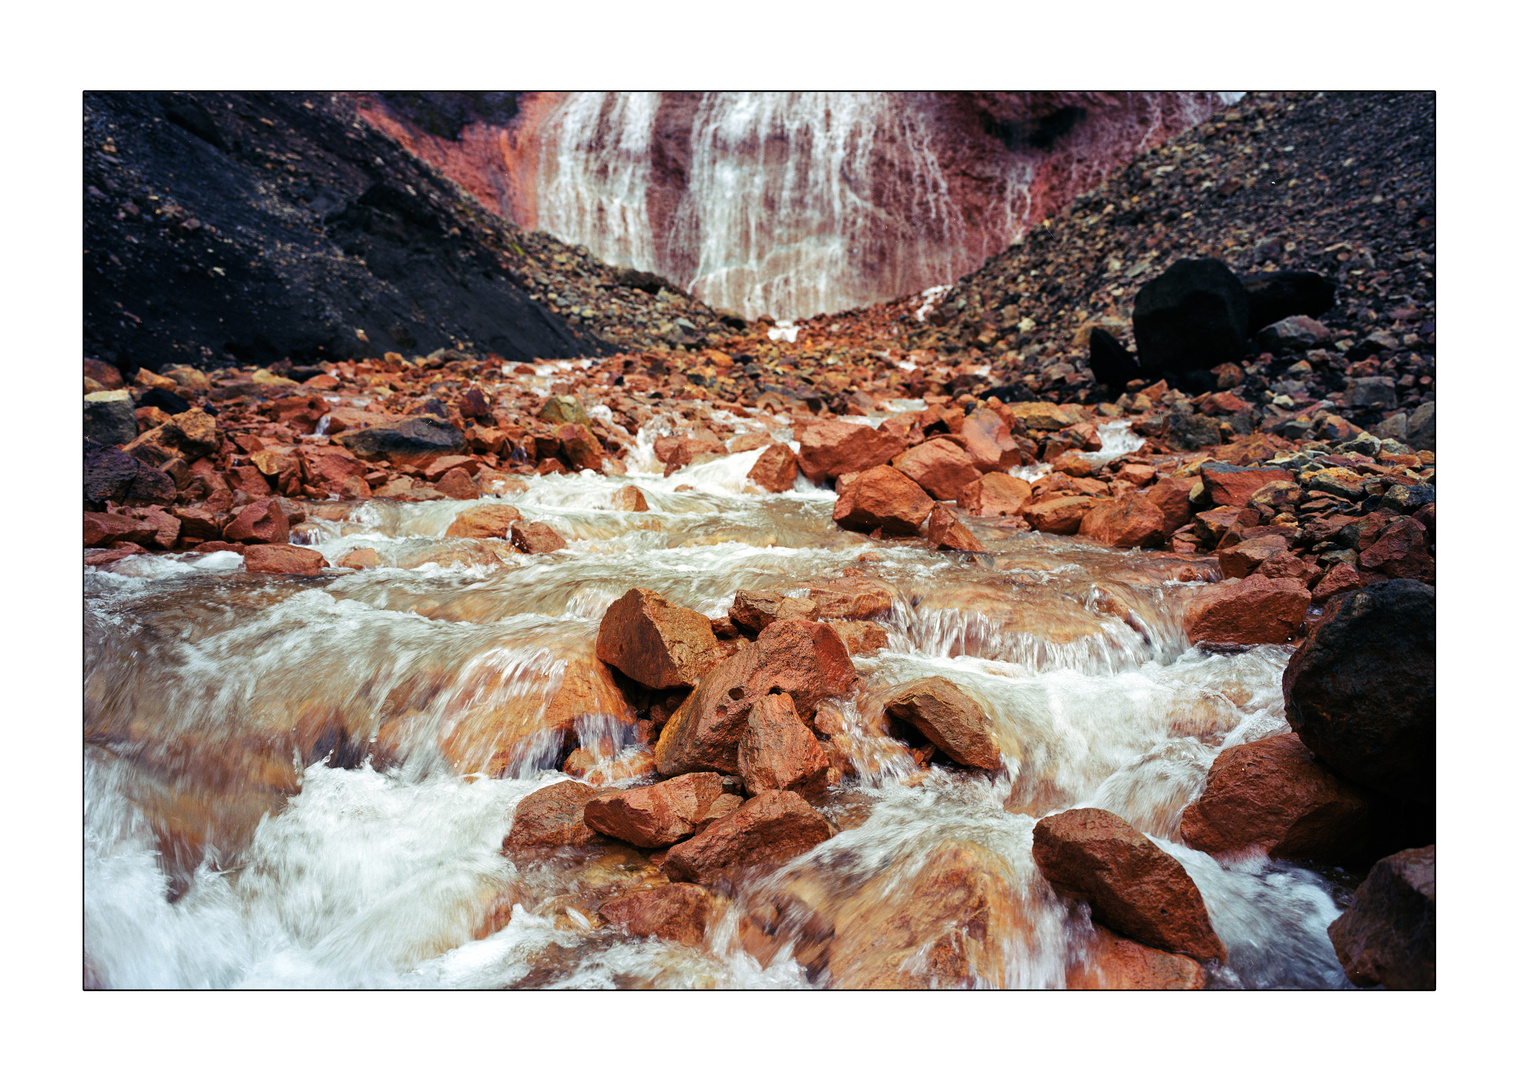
(940, 467)
(1254, 611)
(551, 816)
(1194, 316)
(989, 442)
(852, 598)
(657, 815)
(1401, 550)
(1043, 415)
(579, 447)
(882, 498)
(755, 609)
(776, 469)
(103, 529)
(535, 538)
(946, 532)
(1061, 516)
(110, 417)
(262, 522)
(777, 752)
(1242, 559)
(489, 519)
(456, 484)
(655, 643)
(679, 912)
(283, 559)
(414, 440)
(1115, 963)
(1387, 934)
(1126, 522)
(1274, 795)
(995, 495)
(1231, 485)
(111, 475)
(564, 410)
(630, 499)
(947, 717)
(1131, 885)
(831, 448)
(770, 828)
(861, 638)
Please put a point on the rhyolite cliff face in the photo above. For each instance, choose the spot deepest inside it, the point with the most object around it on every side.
(784, 203)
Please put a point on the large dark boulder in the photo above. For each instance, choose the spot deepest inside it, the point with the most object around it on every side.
(412, 441)
(111, 474)
(1274, 297)
(1360, 691)
(1112, 365)
(1387, 934)
(1194, 316)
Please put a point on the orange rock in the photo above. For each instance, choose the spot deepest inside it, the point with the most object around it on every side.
(361, 559)
(1253, 611)
(579, 446)
(995, 495)
(989, 442)
(776, 469)
(552, 815)
(777, 752)
(946, 532)
(1115, 963)
(851, 598)
(655, 643)
(755, 609)
(949, 719)
(535, 538)
(882, 498)
(262, 522)
(861, 638)
(102, 529)
(1062, 515)
(940, 467)
(770, 828)
(831, 448)
(456, 484)
(1231, 485)
(658, 815)
(1242, 559)
(677, 912)
(1132, 521)
(486, 520)
(1340, 578)
(283, 559)
(629, 498)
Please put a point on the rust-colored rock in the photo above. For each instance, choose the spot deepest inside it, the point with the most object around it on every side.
(485, 520)
(755, 609)
(456, 484)
(946, 532)
(1132, 886)
(776, 469)
(940, 467)
(629, 498)
(947, 717)
(777, 752)
(655, 643)
(551, 816)
(851, 598)
(1116, 963)
(882, 498)
(770, 828)
(535, 538)
(1062, 515)
(678, 912)
(283, 559)
(360, 559)
(861, 638)
(1232, 485)
(1401, 551)
(989, 442)
(1274, 795)
(1242, 559)
(1339, 579)
(804, 659)
(1387, 934)
(579, 447)
(102, 529)
(1128, 522)
(831, 448)
(1254, 611)
(1169, 495)
(995, 495)
(262, 522)
(658, 815)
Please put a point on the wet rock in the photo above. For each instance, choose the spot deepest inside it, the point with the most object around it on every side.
(103, 529)
(989, 442)
(755, 609)
(111, 475)
(360, 559)
(579, 447)
(561, 409)
(552, 815)
(584, 764)
(1387, 934)
(1115, 963)
(1254, 611)
(1273, 795)
(629, 498)
(1062, 515)
(1360, 690)
(995, 495)
(777, 752)
(1131, 885)
(678, 912)
(1242, 559)
(770, 828)
(946, 532)
(852, 598)
(804, 659)
(110, 417)
(1400, 551)
(882, 498)
(456, 484)
(486, 520)
(262, 522)
(831, 448)
(534, 538)
(274, 558)
(1231, 485)
(1131, 521)
(861, 638)
(413, 440)
(657, 815)
(655, 643)
(776, 469)
(1194, 316)
(947, 717)
(1339, 579)
(940, 467)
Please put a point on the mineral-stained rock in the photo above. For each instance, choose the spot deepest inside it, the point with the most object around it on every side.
(411, 440)
(1387, 934)
(1273, 795)
(1116, 963)
(103, 529)
(550, 816)
(947, 717)
(679, 912)
(486, 520)
(110, 474)
(946, 532)
(1254, 611)
(262, 522)
(1360, 690)
(1126, 522)
(995, 495)
(1132, 885)
(831, 448)
(776, 468)
(940, 467)
(882, 498)
(629, 498)
(1061, 515)
(655, 643)
(1231, 485)
(989, 442)
(535, 538)
(283, 559)
(657, 815)
(777, 752)
(1242, 559)
(770, 828)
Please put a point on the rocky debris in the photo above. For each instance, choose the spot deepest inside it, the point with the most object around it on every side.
(770, 828)
(262, 522)
(110, 417)
(803, 659)
(1387, 934)
(534, 538)
(996, 495)
(483, 521)
(755, 609)
(881, 498)
(940, 467)
(1273, 795)
(946, 532)
(776, 469)
(1131, 521)
(657, 815)
(111, 476)
(679, 912)
(655, 643)
(1131, 885)
(1255, 611)
(1061, 515)
(1115, 963)
(1195, 315)
(1360, 689)
(276, 558)
(832, 448)
(777, 752)
(947, 717)
(551, 815)
(415, 440)
(102, 529)
(861, 638)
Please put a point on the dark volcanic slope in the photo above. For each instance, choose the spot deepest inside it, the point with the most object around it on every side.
(1338, 183)
(259, 227)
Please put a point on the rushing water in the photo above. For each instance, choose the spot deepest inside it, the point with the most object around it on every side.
(289, 783)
